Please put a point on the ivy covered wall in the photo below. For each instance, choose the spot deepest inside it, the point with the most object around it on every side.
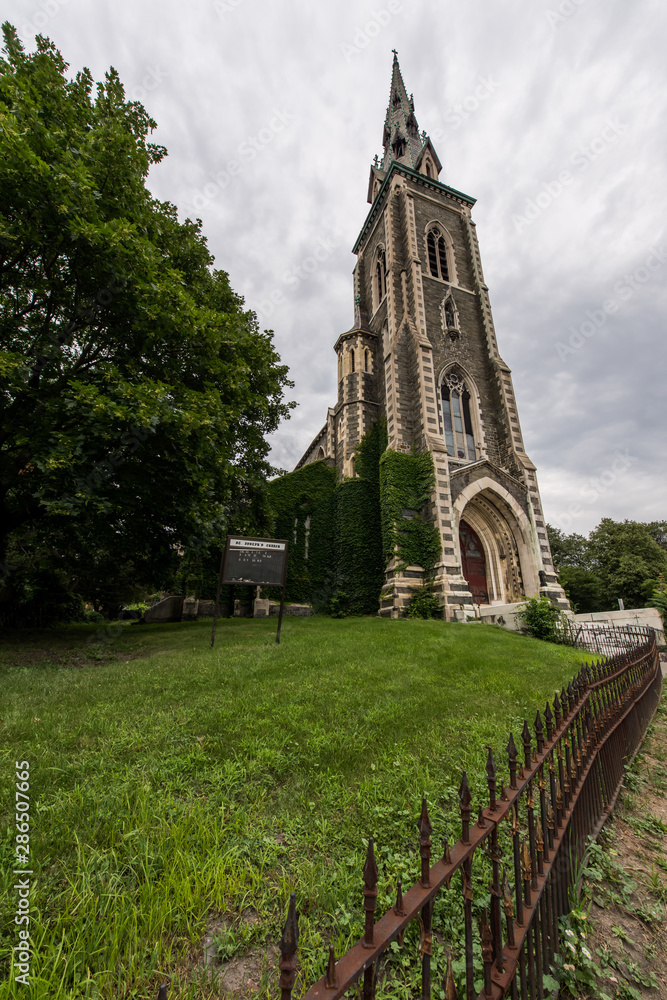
(342, 535)
(358, 538)
(302, 506)
(406, 484)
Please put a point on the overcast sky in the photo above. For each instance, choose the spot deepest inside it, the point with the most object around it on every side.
(550, 112)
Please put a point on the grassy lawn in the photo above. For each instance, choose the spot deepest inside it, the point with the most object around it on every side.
(176, 789)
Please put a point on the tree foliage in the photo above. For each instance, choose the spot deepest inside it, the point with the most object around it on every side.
(619, 559)
(627, 560)
(136, 390)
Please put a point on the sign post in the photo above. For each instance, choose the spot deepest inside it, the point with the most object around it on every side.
(256, 562)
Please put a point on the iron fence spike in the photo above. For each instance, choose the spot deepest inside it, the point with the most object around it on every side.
(464, 791)
(331, 979)
(450, 986)
(490, 765)
(526, 738)
(399, 908)
(289, 944)
(565, 702)
(370, 871)
(425, 827)
(290, 939)
(512, 751)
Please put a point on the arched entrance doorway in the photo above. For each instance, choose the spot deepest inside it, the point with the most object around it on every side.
(473, 563)
(503, 536)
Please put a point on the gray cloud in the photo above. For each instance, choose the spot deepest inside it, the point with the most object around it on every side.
(225, 68)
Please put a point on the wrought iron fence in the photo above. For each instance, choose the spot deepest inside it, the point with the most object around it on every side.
(562, 784)
(599, 637)
(563, 781)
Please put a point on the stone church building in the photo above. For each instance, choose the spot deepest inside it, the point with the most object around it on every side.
(423, 354)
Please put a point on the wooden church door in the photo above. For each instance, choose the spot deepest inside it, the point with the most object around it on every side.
(473, 563)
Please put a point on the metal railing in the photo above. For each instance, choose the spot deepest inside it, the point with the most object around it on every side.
(562, 786)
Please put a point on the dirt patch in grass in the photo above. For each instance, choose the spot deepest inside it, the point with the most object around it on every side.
(626, 882)
(236, 975)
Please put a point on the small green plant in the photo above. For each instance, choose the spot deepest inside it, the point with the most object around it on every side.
(627, 992)
(339, 604)
(621, 934)
(92, 617)
(541, 619)
(424, 604)
(575, 967)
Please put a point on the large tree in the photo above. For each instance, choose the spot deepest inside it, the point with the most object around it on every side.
(136, 390)
(627, 560)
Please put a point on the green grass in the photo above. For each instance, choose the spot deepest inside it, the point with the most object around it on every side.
(171, 783)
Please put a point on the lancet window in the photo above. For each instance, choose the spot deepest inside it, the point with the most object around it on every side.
(380, 276)
(437, 254)
(457, 418)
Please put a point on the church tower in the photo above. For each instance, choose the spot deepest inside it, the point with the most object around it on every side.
(423, 354)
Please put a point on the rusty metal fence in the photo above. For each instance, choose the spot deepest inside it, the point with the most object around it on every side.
(561, 785)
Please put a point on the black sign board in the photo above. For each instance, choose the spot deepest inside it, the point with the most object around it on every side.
(260, 562)
(255, 562)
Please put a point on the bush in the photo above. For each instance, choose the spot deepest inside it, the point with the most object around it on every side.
(659, 598)
(93, 617)
(424, 604)
(339, 605)
(541, 619)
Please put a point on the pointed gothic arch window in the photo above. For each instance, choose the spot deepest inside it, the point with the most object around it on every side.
(457, 418)
(352, 366)
(380, 289)
(436, 245)
(428, 169)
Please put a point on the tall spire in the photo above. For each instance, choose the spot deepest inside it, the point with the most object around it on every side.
(401, 139)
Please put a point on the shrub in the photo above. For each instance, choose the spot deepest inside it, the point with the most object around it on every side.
(659, 598)
(92, 617)
(424, 604)
(541, 619)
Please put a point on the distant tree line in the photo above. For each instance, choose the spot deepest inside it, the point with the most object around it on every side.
(624, 560)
